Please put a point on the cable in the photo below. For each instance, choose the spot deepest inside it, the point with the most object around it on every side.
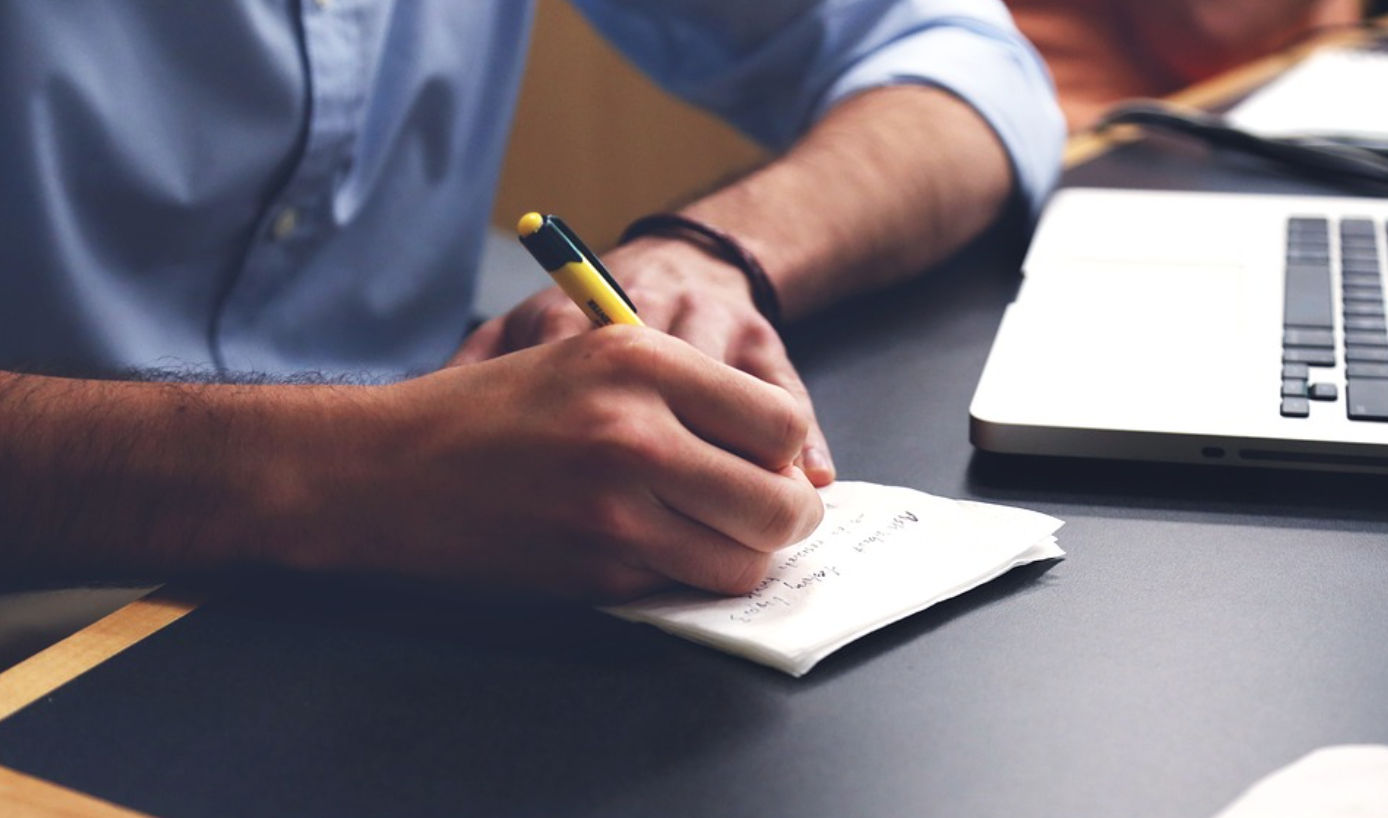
(1341, 160)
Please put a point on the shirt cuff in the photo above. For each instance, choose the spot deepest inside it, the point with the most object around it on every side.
(1000, 76)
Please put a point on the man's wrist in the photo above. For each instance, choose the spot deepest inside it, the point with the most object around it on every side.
(719, 244)
(665, 265)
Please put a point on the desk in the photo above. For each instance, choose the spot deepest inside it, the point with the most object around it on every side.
(1207, 627)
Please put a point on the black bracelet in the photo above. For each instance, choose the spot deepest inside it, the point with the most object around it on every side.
(718, 244)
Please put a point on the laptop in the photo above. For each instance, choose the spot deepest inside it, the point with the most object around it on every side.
(1193, 327)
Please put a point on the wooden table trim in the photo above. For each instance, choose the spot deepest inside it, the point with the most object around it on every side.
(1085, 145)
(31, 797)
(44, 672)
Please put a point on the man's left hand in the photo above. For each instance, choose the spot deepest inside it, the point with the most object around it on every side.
(680, 290)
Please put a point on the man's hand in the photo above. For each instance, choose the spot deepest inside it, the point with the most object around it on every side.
(596, 468)
(600, 467)
(888, 183)
(680, 290)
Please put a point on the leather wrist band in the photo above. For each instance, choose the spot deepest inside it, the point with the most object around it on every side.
(718, 244)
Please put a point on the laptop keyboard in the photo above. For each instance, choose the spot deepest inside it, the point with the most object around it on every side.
(1309, 345)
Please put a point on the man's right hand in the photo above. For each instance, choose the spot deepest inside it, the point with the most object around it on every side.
(599, 468)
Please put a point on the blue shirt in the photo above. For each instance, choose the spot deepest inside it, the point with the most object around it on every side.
(276, 186)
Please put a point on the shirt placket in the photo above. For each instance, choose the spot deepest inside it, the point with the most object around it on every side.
(300, 217)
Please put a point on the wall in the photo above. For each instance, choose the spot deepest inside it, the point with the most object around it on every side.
(598, 144)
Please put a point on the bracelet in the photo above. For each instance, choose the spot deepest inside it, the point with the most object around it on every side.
(718, 244)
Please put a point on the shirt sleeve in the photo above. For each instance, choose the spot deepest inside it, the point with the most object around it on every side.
(773, 67)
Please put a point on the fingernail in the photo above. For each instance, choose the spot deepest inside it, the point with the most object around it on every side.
(818, 466)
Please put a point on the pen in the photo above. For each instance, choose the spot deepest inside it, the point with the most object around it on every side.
(576, 270)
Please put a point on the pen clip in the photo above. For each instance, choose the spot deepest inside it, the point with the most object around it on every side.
(588, 255)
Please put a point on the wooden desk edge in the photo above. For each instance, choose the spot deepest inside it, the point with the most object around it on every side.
(1085, 145)
(50, 669)
(25, 795)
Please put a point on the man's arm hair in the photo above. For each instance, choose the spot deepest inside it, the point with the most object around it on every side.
(889, 183)
(157, 474)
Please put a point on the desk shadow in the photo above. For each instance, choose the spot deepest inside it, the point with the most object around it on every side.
(1270, 494)
(319, 697)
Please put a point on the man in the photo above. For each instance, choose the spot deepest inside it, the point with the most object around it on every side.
(251, 191)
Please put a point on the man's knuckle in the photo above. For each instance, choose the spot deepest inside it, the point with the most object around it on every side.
(554, 310)
(626, 351)
(744, 574)
(624, 445)
(793, 422)
(759, 332)
(609, 522)
(614, 584)
(782, 521)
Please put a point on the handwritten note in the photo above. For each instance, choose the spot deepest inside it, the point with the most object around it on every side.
(882, 553)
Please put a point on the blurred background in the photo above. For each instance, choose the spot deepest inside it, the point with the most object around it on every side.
(597, 143)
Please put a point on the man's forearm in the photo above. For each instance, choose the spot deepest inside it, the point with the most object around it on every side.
(146, 480)
(583, 469)
(888, 183)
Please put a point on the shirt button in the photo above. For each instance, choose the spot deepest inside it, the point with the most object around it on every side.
(284, 223)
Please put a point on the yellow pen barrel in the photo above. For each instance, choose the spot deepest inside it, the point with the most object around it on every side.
(590, 291)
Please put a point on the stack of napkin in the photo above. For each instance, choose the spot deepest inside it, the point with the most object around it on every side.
(881, 554)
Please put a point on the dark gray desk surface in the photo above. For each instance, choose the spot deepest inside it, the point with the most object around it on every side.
(1207, 627)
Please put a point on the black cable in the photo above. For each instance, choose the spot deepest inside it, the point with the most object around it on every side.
(1327, 158)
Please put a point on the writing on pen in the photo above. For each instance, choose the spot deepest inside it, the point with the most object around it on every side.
(576, 270)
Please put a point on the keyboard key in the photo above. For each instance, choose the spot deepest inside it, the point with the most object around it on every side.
(1365, 322)
(1308, 252)
(1368, 399)
(1376, 355)
(1324, 391)
(1365, 370)
(1359, 267)
(1374, 294)
(1297, 371)
(1363, 338)
(1369, 278)
(1303, 355)
(1314, 235)
(1359, 256)
(1297, 407)
(1363, 308)
(1308, 299)
(1319, 338)
(1318, 225)
(1293, 388)
(1354, 231)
